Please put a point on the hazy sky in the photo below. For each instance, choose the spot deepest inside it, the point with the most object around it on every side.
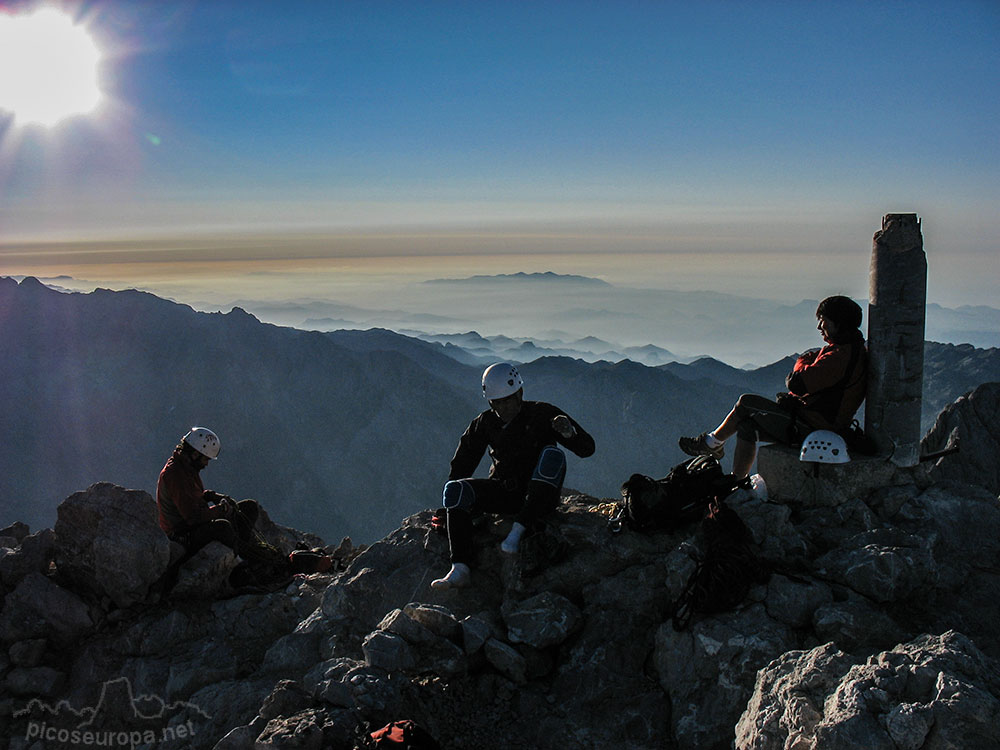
(526, 127)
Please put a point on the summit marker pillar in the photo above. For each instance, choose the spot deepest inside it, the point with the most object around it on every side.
(897, 291)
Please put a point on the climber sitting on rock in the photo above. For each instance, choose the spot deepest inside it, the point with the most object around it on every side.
(825, 389)
(189, 513)
(527, 472)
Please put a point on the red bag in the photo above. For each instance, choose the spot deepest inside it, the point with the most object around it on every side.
(404, 734)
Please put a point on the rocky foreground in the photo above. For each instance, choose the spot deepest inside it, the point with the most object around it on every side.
(876, 628)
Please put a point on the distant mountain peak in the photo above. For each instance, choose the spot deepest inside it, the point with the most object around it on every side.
(521, 276)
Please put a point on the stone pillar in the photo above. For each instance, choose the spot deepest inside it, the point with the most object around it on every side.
(897, 290)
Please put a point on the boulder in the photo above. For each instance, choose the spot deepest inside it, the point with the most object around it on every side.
(543, 620)
(439, 620)
(794, 602)
(431, 651)
(506, 660)
(206, 573)
(302, 731)
(388, 651)
(35, 681)
(33, 554)
(933, 692)
(475, 633)
(108, 541)
(38, 608)
(769, 523)
(855, 625)
(788, 697)
(973, 421)
(292, 654)
(28, 653)
(16, 531)
(708, 671)
(402, 624)
(328, 681)
(287, 698)
(885, 565)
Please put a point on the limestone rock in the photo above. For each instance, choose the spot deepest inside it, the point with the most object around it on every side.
(28, 653)
(38, 608)
(506, 660)
(402, 624)
(35, 681)
(795, 602)
(292, 654)
(974, 421)
(302, 731)
(708, 671)
(769, 523)
(239, 738)
(431, 651)
(475, 633)
(329, 681)
(886, 565)
(16, 531)
(287, 698)
(543, 620)
(788, 697)
(439, 620)
(108, 541)
(388, 651)
(206, 573)
(855, 624)
(819, 699)
(34, 552)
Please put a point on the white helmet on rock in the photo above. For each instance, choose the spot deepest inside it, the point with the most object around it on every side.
(824, 447)
(204, 441)
(501, 380)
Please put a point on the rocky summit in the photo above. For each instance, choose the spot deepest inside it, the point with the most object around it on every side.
(870, 621)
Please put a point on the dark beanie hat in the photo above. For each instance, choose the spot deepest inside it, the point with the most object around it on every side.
(843, 311)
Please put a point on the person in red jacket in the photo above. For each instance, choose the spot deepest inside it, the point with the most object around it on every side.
(825, 388)
(192, 515)
(527, 469)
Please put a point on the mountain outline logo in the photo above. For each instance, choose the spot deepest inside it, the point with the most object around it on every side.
(119, 719)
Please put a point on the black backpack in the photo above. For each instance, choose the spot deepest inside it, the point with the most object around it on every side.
(678, 499)
(725, 573)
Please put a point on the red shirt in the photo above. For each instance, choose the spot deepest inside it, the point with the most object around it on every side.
(831, 395)
(180, 497)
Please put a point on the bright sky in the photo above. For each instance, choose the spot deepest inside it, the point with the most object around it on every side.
(607, 126)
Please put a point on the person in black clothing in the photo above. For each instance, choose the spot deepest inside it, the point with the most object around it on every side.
(527, 472)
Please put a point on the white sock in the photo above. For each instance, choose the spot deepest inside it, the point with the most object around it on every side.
(513, 540)
(712, 441)
(458, 577)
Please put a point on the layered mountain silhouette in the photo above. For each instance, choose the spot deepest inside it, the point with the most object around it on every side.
(344, 433)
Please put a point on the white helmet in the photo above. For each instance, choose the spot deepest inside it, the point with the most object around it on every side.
(824, 447)
(501, 380)
(204, 441)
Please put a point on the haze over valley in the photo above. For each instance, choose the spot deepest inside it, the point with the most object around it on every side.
(522, 316)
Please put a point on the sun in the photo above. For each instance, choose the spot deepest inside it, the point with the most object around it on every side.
(48, 68)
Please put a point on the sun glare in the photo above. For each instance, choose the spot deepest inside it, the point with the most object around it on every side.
(48, 68)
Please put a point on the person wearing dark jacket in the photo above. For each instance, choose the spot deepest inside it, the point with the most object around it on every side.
(527, 469)
(192, 515)
(825, 388)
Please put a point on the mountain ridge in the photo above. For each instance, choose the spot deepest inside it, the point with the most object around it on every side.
(355, 428)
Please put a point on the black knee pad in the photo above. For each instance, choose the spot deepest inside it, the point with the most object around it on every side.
(458, 495)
